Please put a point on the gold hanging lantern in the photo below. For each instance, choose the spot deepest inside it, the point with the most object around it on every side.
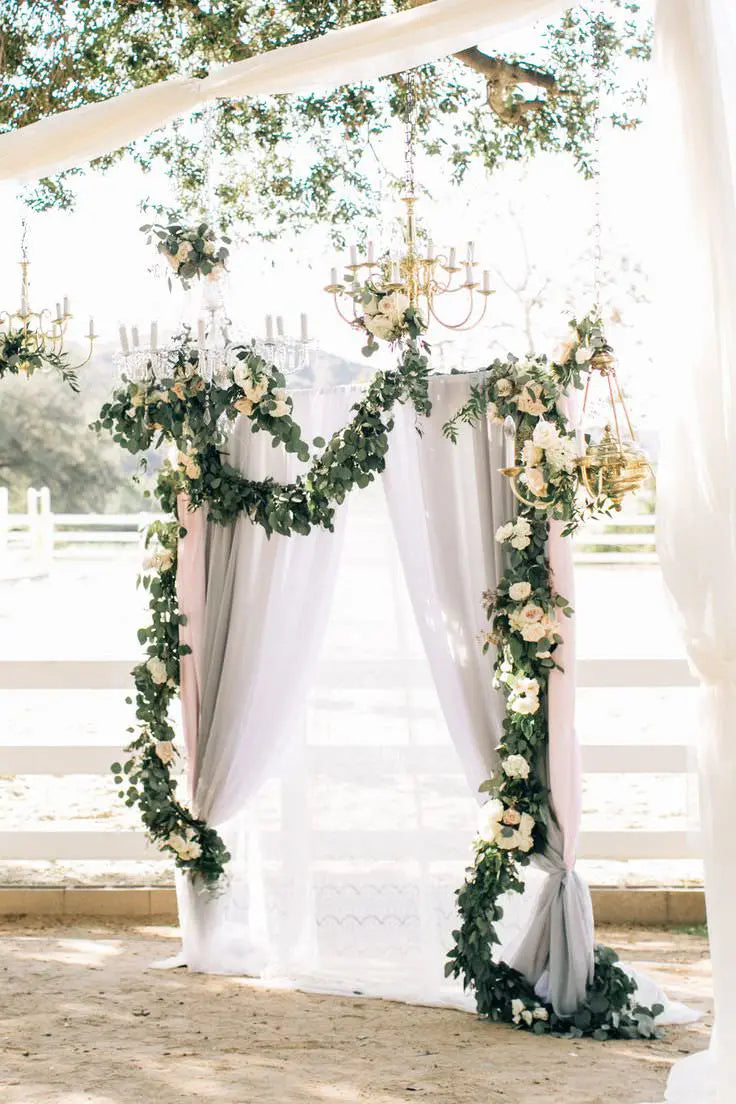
(615, 465)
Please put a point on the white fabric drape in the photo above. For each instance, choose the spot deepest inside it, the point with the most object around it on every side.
(267, 601)
(347, 56)
(446, 503)
(695, 97)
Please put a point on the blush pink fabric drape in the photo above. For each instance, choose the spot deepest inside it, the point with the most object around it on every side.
(190, 592)
(564, 762)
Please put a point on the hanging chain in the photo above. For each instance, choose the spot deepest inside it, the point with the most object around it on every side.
(410, 133)
(597, 198)
(24, 238)
(207, 193)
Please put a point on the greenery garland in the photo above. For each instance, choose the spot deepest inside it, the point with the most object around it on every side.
(192, 414)
(194, 252)
(22, 354)
(524, 613)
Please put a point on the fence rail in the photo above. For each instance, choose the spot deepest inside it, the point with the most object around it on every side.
(41, 535)
(95, 759)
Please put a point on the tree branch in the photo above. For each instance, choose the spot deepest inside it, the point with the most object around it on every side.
(502, 78)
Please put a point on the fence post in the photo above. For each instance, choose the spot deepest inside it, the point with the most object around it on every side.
(4, 522)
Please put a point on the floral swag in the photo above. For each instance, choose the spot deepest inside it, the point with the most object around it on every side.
(193, 414)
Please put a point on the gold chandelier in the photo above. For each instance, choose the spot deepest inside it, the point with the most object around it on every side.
(424, 279)
(42, 332)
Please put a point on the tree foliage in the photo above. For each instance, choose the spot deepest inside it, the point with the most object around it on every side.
(295, 160)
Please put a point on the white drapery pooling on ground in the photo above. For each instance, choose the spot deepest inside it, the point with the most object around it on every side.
(266, 605)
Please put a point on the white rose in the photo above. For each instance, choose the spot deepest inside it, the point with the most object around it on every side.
(515, 766)
(545, 435)
(530, 399)
(530, 454)
(544, 655)
(540, 1013)
(490, 819)
(520, 542)
(505, 532)
(157, 670)
(394, 305)
(535, 632)
(562, 455)
(583, 354)
(531, 612)
(504, 388)
(186, 847)
(526, 686)
(523, 528)
(519, 592)
(517, 1006)
(279, 409)
(255, 391)
(526, 1016)
(165, 751)
(380, 326)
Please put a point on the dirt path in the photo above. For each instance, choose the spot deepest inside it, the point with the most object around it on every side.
(83, 1021)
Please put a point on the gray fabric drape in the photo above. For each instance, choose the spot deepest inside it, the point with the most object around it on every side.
(267, 603)
(446, 502)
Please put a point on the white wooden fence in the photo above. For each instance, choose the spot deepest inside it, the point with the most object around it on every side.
(40, 535)
(33, 844)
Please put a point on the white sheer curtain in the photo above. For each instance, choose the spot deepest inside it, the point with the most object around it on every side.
(266, 606)
(696, 121)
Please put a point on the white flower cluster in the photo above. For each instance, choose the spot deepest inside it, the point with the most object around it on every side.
(517, 533)
(515, 766)
(384, 317)
(521, 1014)
(524, 695)
(186, 845)
(161, 560)
(183, 255)
(255, 392)
(559, 450)
(157, 670)
(532, 622)
(506, 827)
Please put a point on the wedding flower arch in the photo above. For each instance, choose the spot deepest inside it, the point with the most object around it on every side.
(188, 412)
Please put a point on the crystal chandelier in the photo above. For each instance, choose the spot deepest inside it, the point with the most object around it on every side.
(424, 279)
(216, 351)
(42, 331)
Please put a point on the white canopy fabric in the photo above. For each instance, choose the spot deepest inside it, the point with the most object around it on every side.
(350, 55)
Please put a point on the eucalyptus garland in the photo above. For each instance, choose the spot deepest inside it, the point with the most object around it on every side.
(194, 252)
(193, 414)
(524, 614)
(22, 354)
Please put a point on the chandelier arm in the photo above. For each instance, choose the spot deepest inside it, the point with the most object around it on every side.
(464, 324)
(536, 504)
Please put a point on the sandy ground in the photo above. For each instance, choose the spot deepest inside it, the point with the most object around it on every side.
(84, 1021)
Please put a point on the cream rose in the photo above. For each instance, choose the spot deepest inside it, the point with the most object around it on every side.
(535, 481)
(157, 670)
(504, 388)
(244, 406)
(583, 354)
(530, 399)
(531, 455)
(515, 766)
(165, 751)
(519, 592)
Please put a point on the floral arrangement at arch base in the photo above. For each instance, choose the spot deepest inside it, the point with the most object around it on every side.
(526, 616)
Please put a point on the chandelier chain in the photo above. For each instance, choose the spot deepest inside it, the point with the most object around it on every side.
(410, 133)
(597, 196)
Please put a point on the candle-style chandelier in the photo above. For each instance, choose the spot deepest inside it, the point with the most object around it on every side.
(424, 279)
(214, 348)
(42, 332)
